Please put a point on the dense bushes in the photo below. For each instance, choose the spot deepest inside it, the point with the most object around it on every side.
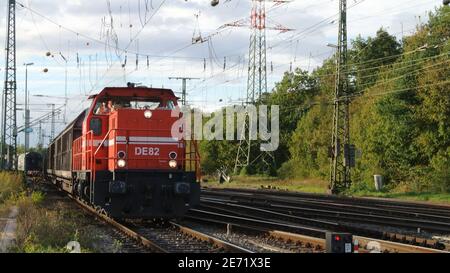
(401, 121)
(400, 114)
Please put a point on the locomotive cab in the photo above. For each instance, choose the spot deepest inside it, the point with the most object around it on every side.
(128, 163)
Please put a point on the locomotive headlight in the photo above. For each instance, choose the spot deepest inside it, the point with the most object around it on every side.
(148, 114)
(121, 163)
(173, 164)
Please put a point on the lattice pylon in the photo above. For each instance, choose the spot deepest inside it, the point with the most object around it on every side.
(256, 84)
(8, 145)
(340, 172)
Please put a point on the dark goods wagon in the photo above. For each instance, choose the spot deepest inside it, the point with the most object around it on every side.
(121, 157)
(33, 161)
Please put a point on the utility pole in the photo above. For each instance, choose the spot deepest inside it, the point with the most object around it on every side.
(27, 111)
(183, 87)
(40, 138)
(65, 88)
(52, 131)
(341, 152)
(8, 144)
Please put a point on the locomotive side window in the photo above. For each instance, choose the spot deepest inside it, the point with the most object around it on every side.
(170, 105)
(102, 108)
(96, 126)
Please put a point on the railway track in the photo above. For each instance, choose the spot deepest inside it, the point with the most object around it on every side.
(436, 220)
(373, 204)
(142, 236)
(289, 217)
(256, 216)
(292, 209)
(168, 238)
(301, 235)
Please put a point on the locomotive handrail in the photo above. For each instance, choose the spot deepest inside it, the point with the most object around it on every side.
(116, 129)
(195, 160)
(103, 141)
(91, 152)
(96, 151)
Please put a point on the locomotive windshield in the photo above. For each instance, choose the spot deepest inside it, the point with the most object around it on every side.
(110, 104)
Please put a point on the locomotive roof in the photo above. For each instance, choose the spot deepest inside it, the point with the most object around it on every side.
(133, 91)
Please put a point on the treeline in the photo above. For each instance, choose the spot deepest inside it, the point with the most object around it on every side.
(400, 113)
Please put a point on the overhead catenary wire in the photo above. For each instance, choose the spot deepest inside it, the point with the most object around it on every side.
(87, 37)
(360, 63)
(312, 27)
(367, 85)
(201, 58)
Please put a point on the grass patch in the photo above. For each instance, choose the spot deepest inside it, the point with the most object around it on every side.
(46, 226)
(258, 182)
(321, 187)
(442, 198)
(403, 191)
(4, 209)
(43, 225)
(10, 184)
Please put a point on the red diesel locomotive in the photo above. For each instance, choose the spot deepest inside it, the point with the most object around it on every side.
(120, 156)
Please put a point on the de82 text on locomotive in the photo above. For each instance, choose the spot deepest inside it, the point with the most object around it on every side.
(121, 158)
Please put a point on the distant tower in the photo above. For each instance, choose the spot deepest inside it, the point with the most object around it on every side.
(257, 75)
(257, 78)
(256, 82)
(8, 144)
(257, 63)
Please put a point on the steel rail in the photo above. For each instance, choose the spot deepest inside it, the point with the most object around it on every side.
(212, 240)
(394, 218)
(127, 231)
(260, 214)
(382, 202)
(317, 243)
(229, 247)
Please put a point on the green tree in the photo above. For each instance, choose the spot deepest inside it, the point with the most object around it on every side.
(367, 56)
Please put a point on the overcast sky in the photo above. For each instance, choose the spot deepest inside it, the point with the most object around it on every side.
(163, 31)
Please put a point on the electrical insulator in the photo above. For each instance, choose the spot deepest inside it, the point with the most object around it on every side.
(137, 61)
